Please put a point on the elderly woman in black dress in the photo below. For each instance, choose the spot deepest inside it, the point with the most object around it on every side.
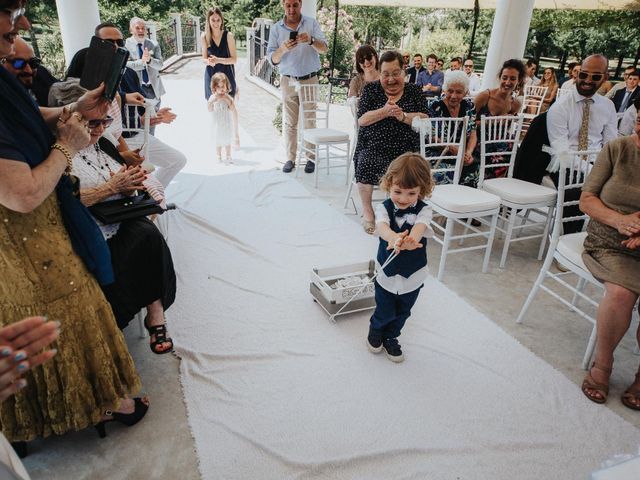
(387, 108)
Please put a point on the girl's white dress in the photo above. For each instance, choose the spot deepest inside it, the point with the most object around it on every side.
(221, 123)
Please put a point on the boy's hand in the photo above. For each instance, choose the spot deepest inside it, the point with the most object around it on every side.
(396, 242)
(410, 243)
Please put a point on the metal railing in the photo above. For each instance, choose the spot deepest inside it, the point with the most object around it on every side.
(178, 36)
(257, 42)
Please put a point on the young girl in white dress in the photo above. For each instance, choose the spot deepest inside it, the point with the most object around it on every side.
(224, 116)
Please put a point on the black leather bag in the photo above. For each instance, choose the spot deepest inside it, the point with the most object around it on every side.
(114, 211)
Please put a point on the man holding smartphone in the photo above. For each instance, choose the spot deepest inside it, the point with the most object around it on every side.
(295, 43)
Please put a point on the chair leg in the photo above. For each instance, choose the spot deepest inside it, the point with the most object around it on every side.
(579, 288)
(445, 246)
(492, 233)
(328, 156)
(315, 174)
(466, 229)
(534, 290)
(505, 249)
(349, 157)
(588, 353)
(348, 196)
(545, 234)
(142, 330)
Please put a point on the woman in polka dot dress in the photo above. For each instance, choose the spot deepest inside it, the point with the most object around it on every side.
(385, 113)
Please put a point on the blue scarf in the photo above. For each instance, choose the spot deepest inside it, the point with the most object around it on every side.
(21, 117)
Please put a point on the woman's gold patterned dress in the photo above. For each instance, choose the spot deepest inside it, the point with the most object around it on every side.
(41, 275)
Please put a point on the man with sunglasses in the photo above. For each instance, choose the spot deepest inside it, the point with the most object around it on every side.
(25, 66)
(167, 160)
(474, 80)
(581, 121)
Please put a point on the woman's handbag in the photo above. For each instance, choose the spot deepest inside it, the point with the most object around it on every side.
(114, 211)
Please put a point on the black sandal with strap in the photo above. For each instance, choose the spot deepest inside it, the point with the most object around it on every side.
(160, 333)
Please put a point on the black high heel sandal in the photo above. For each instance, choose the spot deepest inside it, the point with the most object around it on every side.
(128, 419)
(160, 332)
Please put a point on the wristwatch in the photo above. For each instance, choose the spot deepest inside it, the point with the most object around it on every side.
(311, 41)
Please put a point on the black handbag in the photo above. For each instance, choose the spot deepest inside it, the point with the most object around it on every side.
(114, 211)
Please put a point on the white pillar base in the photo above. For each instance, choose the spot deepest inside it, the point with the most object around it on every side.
(309, 8)
(508, 37)
(78, 20)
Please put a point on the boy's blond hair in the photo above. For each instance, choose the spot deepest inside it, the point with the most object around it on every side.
(217, 79)
(409, 170)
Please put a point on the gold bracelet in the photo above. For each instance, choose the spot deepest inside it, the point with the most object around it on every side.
(62, 149)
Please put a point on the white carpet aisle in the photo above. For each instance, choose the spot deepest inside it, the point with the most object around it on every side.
(275, 391)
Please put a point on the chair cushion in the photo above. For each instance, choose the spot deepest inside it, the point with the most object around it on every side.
(571, 246)
(519, 191)
(461, 199)
(319, 135)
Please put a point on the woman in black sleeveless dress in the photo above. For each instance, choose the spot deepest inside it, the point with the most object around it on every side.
(218, 51)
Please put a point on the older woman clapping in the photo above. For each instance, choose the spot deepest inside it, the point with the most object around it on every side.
(144, 274)
(610, 196)
(453, 104)
(385, 113)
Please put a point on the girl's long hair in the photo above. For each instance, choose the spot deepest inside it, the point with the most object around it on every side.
(208, 33)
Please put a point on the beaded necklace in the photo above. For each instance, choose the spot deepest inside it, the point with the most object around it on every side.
(103, 165)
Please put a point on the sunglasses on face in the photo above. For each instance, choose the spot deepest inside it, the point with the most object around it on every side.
(596, 77)
(14, 14)
(20, 63)
(105, 122)
(468, 66)
(366, 58)
(118, 42)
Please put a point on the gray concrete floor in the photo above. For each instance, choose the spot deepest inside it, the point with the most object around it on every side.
(161, 446)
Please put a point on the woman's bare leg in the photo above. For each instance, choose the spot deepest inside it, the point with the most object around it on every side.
(366, 195)
(612, 322)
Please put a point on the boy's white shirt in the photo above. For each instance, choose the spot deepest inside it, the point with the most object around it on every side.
(398, 284)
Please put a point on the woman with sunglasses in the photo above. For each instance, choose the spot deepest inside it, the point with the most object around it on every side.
(52, 259)
(141, 259)
(549, 80)
(367, 68)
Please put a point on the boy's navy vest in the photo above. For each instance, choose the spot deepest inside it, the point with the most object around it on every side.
(408, 261)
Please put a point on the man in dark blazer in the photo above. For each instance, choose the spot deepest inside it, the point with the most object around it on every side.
(625, 97)
(413, 72)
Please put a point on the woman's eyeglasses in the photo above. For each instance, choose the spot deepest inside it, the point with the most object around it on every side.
(596, 77)
(366, 58)
(118, 41)
(20, 63)
(394, 74)
(14, 14)
(105, 122)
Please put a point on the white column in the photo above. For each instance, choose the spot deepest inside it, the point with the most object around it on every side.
(309, 8)
(508, 37)
(78, 20)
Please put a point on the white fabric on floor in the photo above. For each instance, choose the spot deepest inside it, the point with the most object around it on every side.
(276, 391)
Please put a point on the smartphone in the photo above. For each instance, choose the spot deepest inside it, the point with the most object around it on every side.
(105, 63)
(293, 35)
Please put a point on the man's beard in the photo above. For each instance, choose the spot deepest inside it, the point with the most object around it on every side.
(25, 79)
